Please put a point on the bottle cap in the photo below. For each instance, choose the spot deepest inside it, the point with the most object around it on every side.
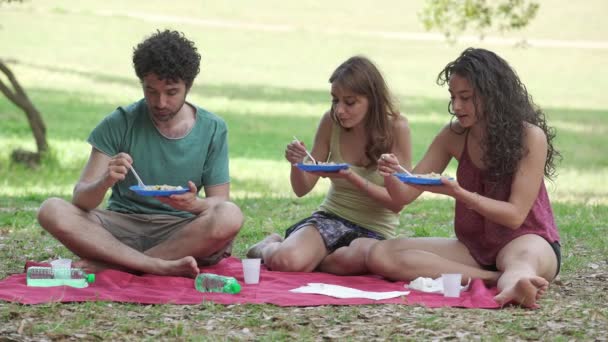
(90, 278)
(234, 287)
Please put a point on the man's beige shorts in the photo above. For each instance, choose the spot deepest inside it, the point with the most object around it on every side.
(142, 231)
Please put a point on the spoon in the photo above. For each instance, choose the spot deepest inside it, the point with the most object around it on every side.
(308, 154)
(139, 181)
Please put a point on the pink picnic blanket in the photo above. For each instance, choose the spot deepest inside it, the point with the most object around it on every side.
(117, 286)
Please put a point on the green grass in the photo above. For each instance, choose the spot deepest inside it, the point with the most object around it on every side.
(265, 70)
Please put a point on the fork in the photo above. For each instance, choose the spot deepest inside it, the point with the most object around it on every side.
(402, 168)
(405, 170)
(308, 154)
(139, 181)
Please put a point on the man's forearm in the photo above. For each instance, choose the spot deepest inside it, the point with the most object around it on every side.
(88, 196)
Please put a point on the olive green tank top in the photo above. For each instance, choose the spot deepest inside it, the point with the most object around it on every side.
(347, 201)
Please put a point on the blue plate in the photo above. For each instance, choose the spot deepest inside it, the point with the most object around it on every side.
(418, 179)
(322, 167)
(164, 193)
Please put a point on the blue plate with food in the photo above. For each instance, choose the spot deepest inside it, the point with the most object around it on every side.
(421, 179)
(158, 190)
(322, 167)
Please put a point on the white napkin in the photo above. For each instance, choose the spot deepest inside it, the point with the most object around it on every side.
(338, 291)
(430, 285)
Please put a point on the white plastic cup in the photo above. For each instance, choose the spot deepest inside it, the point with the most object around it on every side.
(251, 270)
(451, 284)
(61, 268)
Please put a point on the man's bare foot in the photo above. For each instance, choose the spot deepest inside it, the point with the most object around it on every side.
(525, 292)
(184, 267)
(255, 251)
(93, 266)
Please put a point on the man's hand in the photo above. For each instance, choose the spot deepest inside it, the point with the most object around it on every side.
(117, 170)
(188, 201)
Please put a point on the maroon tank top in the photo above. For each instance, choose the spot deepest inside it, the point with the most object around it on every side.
(484, 238)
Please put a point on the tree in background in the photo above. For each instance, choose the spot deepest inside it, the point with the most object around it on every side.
(16, 94)
(452, 17)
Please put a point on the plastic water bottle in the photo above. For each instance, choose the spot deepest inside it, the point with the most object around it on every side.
(209, 282)
(48, 276)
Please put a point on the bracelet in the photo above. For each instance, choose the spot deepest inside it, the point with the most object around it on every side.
(366, 184)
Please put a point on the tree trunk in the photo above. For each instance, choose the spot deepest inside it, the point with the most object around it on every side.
(18, 96)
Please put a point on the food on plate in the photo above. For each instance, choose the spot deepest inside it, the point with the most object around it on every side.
(163, 187)
(432, 175)
(310, 162)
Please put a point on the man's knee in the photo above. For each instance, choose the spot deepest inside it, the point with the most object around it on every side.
(222, 222)
(50, 210)
(228, 218)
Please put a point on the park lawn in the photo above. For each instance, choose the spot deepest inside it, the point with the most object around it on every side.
(265, 71)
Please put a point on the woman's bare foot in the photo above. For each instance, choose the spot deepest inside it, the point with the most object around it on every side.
(525, 292)
(255, 251)
(491, 279)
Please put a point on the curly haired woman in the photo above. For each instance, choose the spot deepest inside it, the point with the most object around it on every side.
(504, 225)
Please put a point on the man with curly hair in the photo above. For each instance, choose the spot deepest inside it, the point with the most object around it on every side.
(168, 141)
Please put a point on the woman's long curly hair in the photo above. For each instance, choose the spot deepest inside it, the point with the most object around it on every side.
(359, 75)
(505, 105)
(169, 55)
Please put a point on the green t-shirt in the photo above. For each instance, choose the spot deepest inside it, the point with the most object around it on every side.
(201, 156)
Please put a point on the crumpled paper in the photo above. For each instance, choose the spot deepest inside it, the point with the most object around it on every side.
(430, 285)
(338, 291)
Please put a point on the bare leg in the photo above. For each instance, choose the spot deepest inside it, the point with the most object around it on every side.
(410, 258)
(349, 260)
(83, 234)
(256, 251)
(92, 266)
(529, 264)
(300, 252)
(208, 233)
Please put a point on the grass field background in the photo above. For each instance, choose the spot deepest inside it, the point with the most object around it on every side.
(264, 70)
